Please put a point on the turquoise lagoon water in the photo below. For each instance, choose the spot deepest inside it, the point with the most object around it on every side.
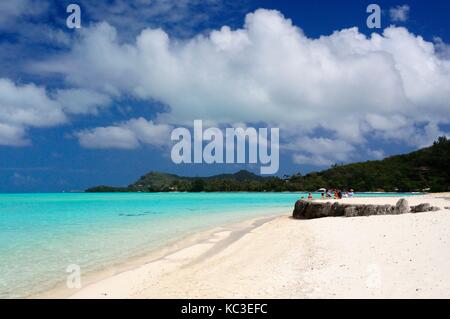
(41, 234)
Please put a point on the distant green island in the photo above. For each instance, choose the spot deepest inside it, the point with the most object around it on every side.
(427, 169)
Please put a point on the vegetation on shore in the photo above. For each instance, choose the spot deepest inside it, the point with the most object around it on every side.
(427, 169)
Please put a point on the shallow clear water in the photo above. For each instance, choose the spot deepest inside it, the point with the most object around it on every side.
(41, 234)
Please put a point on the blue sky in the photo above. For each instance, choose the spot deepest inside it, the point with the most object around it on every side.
(89, 106)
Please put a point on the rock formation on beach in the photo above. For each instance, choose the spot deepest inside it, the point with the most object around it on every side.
(311, 209)
(424, 208)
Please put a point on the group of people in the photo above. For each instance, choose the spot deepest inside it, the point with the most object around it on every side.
(337, 194)
(334, 193)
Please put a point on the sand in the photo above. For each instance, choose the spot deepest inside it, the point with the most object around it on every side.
(404, 256)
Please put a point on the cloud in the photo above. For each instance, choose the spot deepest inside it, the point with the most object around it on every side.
(126, 135)
(376, 154)
(108, 137)
(399, 13)
(29, 105)
(23, 180)
(12, 10)
(321, 151)
(442, 49)
(347, 84)
(181, 18)
(82, 101)
(428, 135)
(23, 106)
(30, 30)
(12, 135)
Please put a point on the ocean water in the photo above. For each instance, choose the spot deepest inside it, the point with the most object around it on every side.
(41, 234)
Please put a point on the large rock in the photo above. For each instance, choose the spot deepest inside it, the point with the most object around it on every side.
(401, 207)
(351, 211)
(423, 208)
(420, 208)
(309, 209)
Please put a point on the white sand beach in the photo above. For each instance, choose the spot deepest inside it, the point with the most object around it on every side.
(401, 256)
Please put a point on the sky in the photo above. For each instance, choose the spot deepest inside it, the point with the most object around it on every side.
(97, 104)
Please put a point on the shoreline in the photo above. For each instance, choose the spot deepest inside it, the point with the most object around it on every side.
(392, 256)
(152, 255)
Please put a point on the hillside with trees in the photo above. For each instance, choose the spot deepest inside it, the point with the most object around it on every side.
(427, 169)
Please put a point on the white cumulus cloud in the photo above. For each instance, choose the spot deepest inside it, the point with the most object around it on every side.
(321, 151)
(126, 135)
(23, 106)
(388, 85)
(82, 101)
(12, 135)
